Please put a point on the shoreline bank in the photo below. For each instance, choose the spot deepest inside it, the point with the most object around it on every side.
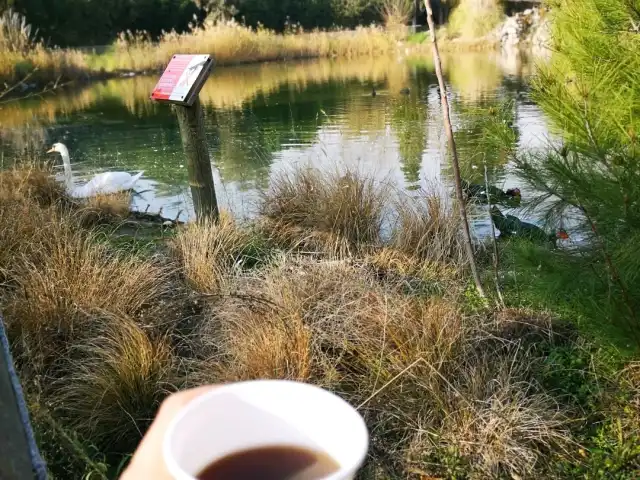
(233, 44)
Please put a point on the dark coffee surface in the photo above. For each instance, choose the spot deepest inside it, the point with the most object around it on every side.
(271, 463)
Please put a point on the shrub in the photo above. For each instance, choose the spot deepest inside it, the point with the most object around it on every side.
(475, 18)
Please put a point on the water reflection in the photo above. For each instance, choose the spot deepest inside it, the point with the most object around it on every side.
(261, 118)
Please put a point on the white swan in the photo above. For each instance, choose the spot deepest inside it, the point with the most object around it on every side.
(103, 183)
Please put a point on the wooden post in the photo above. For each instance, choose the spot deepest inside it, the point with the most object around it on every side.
(191, 121)
(180, 85)
(454, 153)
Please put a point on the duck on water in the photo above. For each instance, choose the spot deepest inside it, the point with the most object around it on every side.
(511, 226)
(478, 193)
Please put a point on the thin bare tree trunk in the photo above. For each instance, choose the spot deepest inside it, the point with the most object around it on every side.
(454, 153)
(496, 258)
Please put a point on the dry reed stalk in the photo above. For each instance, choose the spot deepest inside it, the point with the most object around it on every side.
(496, 255)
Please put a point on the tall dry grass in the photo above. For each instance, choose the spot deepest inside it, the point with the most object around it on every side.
(93, 329)
(396, 15)
(24, 56)
(114, 383)
(100, 338)
(417, 369)
(231, 43)
(210, 252)
(16, 35)
(335, 212)
(228, 42)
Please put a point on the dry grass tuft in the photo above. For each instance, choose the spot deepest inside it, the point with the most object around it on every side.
(420, 371)
(30, 182)
(338, 213)
(105, 208)
(58, 273)
(278, 331)
(73, 270)
(115, 383)
(210, 252)
(492, 420)
(428, 229)
(394, 265)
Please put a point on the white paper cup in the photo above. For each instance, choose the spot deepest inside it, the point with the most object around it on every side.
(262, 413)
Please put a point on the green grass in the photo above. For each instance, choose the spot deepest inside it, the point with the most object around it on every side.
(585, 371)
(570, 286)
(418, 37)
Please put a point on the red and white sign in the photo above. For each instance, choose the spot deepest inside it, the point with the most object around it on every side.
(182, 73)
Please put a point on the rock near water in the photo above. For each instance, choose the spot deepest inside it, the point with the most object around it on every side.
(530, 27)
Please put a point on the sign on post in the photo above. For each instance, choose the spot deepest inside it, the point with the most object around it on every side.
(183, 79)
(180, 84)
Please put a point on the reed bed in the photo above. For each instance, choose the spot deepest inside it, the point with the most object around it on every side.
(229, 43)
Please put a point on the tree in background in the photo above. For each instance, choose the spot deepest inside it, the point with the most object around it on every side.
(591, 93)
(97, 22)
(474, 18)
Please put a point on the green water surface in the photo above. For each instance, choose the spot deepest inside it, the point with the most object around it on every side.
(266, 117)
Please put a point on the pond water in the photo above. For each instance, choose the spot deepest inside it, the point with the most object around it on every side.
(263, 118)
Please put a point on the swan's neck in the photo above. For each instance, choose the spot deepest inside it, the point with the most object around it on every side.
(66, 162)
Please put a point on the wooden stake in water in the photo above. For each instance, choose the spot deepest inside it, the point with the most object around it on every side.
(180, 85)
(191, 121)
(454, 153)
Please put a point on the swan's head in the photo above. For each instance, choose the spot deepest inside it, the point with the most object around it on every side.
(59, 148)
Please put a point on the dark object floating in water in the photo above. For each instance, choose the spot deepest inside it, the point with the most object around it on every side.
(405, 91)
(511, 226)
(373, 92)
(478, 193)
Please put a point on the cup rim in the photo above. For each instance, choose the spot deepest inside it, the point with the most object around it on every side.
(179, 473)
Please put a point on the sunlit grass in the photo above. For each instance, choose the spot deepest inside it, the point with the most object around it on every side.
(43, 65)
(232, 43)
(209, 252)
(472, 19)
(101, 336)
(335, 212)
(229, 43)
